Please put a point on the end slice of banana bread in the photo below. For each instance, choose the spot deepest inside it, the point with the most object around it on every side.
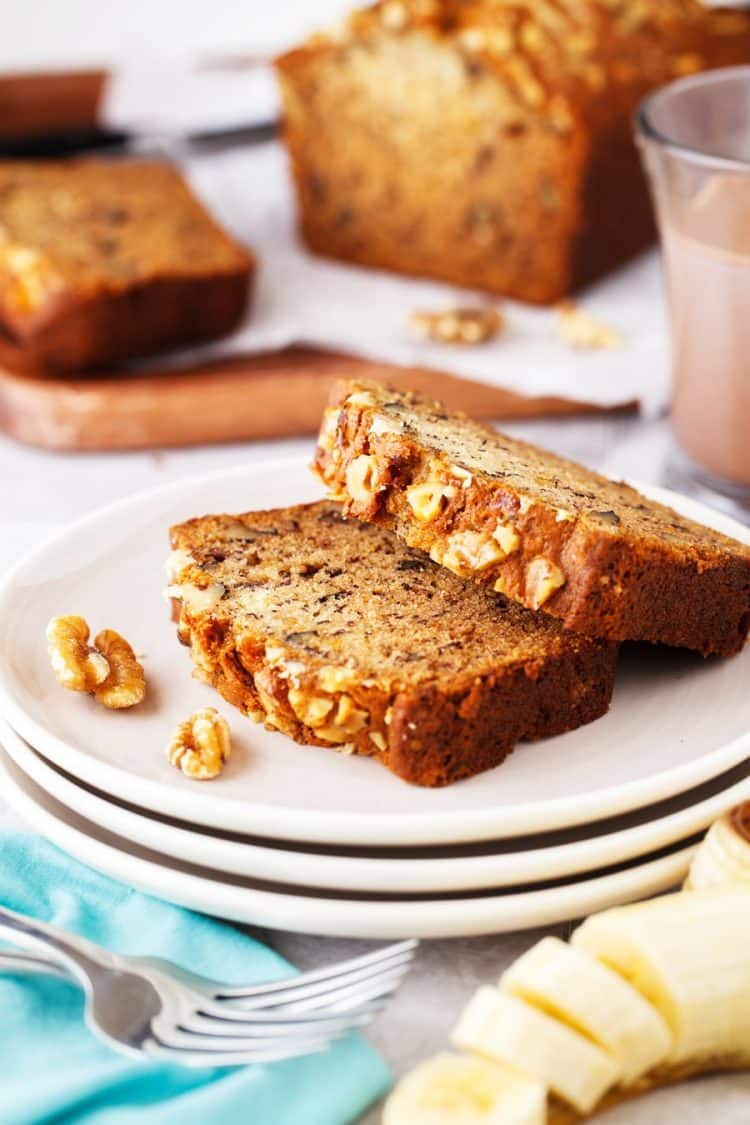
(103, 261)
(334, 632)
(545, 531)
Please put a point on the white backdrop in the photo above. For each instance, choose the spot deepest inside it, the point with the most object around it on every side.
(36, 33)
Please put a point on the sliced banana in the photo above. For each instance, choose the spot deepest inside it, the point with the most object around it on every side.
(465, 1090)
(574, 987)
(724, 856)
(514, 1033)
(688, 954)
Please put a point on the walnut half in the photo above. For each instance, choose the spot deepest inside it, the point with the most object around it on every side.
(458, 326)
(201, 745)
(108, 669)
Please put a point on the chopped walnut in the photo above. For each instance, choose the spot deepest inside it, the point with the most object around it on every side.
(581, 330)
(32, 279)
(468, 551)
(543, 578)
(197, 599)
(109, 669)
(77, 665)
(125, 686)
(507, 538)
(361, 478)
(327, 435)
(426, 499)
(201, 745)
(312, 710)
(346, 721)
(458, 326)
(382, 424)
(394, 15)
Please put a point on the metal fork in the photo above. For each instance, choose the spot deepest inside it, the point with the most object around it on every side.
(147, 1006)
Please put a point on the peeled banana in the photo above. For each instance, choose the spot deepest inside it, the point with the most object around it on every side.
(689, 956)
(724, 856)
(642, 993)
(592, 999)
(512, 1032)
(464, 1090)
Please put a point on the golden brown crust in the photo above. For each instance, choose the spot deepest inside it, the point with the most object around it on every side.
(101, 262)
(533, 186)
(334, 633)
(545, 531)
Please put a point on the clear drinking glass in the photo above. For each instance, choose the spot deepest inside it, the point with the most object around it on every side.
(694, 137)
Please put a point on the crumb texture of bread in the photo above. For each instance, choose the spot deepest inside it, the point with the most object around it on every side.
(102, 262)
(333, 632)
(545, 531)
(488, 144)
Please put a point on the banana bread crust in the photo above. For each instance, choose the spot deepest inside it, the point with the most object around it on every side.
(544, 531)
(101, 263)
(388, 655)
(489, 145)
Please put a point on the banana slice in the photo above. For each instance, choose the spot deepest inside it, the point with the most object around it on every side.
(724, 856)
(688, 955)
(575, 988)
(451, 1089)
(522, 1037)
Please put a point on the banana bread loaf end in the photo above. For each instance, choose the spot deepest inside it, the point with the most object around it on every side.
(102, 262)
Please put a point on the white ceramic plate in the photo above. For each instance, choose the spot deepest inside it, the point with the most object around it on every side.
(676, 720)
(493, 864)
(304, 911)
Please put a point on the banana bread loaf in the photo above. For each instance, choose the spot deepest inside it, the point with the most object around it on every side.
(543, 530)
(335, 633)
(488, 143)
(102, 262)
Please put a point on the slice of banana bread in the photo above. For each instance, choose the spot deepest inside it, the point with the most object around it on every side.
(334, 632)
(543, 530)
(102, 261)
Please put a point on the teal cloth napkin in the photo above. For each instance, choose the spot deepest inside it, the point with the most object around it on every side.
(52, 1069)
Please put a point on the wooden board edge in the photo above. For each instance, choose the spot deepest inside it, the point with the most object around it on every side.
(274, 395)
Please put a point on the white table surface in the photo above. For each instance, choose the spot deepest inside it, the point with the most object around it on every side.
(39, 491)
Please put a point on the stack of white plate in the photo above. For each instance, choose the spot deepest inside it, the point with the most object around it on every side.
(303, 838)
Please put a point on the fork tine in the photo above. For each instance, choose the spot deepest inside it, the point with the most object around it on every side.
(328, 1024)
(346, 993)
(336, 999)
(210, 1044)
(268, 989)
(302, 987)
(210, 1059)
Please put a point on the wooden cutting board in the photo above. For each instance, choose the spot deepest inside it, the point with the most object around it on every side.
(279, 394)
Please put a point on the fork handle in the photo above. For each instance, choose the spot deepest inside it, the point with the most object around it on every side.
(83, 957)
(31, 963)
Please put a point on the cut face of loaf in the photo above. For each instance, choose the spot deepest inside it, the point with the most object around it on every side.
(488, 144)
(335, 633)
(542, 530)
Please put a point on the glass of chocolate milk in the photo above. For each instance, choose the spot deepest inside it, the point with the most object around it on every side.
(694, 137)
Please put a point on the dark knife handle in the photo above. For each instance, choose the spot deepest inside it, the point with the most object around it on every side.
(49, 146)
(52, 146)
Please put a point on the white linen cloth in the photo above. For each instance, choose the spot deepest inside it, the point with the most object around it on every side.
(303, 298)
